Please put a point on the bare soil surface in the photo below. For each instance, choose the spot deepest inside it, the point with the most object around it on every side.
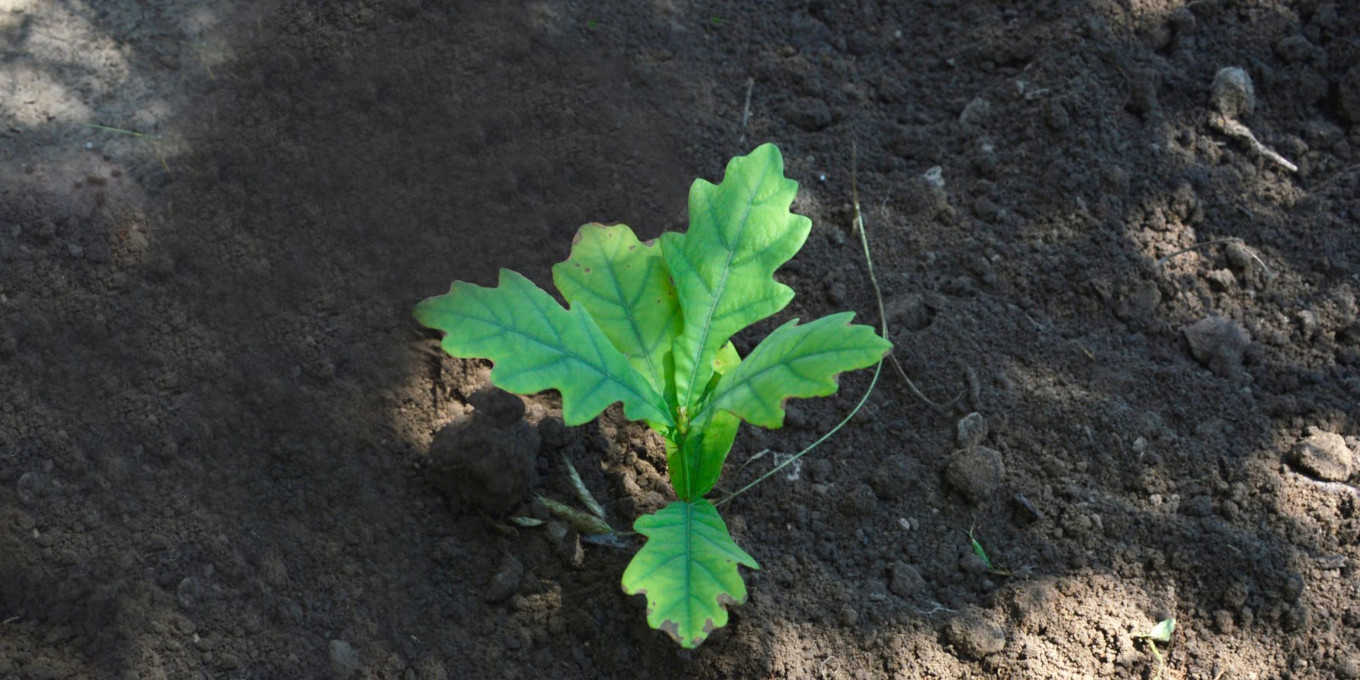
(216, 412)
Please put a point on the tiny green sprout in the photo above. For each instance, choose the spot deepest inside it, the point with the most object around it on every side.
(650, 325)
(1162, 631)
(978, 550)
(1159, 633)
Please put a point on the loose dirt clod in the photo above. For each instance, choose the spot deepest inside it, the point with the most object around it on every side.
(974, 637)
(506, 580)
(487, 457)
(1218, 343)
(972, 429)
(975, 473)
(1232, 93)
(1323, 455)
(906, 581)
(344, 659)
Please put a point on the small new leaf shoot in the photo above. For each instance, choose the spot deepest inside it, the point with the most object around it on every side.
(583, 522)
(1162, 631)
(980, 551)
(649, 324)
(992, 567)
(582, 493)
(1159, 633)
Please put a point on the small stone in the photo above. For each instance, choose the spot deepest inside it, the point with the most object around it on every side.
(848, 616)
(977, 112)
(975, 473)
(972, 429)
(905, 581)
(189, 593)
(344, 659)
(567, 544)
(1323, 455)
(975, 637)
(506, 581)
(1232, 92)
(1238, 255)
(972, 563)
(1222, 280)
(1218, 343)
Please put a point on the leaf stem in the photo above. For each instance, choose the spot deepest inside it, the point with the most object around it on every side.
(878, 368)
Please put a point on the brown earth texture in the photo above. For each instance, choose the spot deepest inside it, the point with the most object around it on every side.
(1118, 243)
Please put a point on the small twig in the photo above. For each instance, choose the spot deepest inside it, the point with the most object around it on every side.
(746, 110)
(761, 454)
(151, 139)
(857, 228)
(821, 670)
(121, 131)
(1232, 128)
(938, 608)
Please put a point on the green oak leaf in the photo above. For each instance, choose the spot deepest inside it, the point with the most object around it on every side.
(627, 289)
(687, 570)
(740, 232)
(537, 345)
(795, 361)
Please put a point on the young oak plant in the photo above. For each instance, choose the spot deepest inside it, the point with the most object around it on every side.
(650, 325)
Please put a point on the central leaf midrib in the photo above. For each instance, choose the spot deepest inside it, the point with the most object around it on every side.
(722, 280)
(689, 557)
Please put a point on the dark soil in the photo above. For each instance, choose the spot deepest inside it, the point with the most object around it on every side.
(216, 411)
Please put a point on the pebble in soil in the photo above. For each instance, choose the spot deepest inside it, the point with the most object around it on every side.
(1323, 455)
(975, 473)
